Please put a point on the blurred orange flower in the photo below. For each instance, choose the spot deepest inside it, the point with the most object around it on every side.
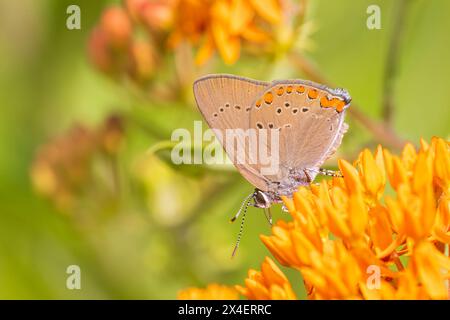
(117, 27)
(114, 48)
(211, 292)
(132, 39)
(223, 24)
(156, 14)
(62, 168)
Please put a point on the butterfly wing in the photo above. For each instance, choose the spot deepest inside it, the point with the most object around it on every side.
(309, 117)
(225, 102)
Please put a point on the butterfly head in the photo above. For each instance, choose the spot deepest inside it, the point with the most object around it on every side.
(261, 199)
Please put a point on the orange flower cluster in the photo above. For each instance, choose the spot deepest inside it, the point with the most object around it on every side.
(211, 292)
(61, 168)
(343, 230)
(132, 39)
(358, 237)
(115, 49)
(223, 24)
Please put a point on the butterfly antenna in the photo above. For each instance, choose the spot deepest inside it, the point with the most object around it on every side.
(244, 203)
(245, 206)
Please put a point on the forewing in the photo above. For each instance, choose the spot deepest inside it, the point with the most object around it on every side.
(225, 102)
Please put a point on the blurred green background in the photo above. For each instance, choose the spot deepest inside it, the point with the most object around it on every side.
(158, 228)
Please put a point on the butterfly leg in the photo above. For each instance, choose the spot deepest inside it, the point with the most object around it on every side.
(268, 215)
(308, 177)
(330, 173)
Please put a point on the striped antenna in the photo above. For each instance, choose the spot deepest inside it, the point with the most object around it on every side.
(244, 207)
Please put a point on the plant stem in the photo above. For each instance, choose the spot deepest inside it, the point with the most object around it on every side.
(392, 60)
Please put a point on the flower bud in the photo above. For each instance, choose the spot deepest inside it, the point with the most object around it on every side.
(142, 60)
(135, 7)
(157, 15)
(117, 27)
(99, 52)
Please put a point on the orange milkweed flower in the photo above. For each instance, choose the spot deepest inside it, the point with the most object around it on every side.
(269, 283)
(349, 240)
(346, 225)
(223, 25)
(211, 292)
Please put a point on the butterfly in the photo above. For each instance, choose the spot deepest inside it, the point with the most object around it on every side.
(308, 117)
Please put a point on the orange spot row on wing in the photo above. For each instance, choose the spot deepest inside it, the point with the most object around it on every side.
(268, 97)
(313, 93)
(336, 103)
(300, 89)
(280, 91)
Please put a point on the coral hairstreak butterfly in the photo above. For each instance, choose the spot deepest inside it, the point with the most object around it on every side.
(308, 117)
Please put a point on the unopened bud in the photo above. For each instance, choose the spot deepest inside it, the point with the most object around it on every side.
(157, 15)
(99, 52)
(117, 27)
(142, 56)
